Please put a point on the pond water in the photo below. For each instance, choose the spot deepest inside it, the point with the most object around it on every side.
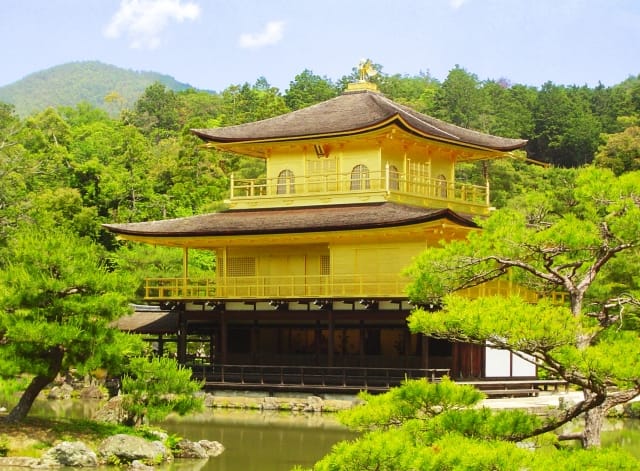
(266, 441)
(273, 441)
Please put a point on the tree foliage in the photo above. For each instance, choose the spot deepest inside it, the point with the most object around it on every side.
(435, 426)
(57, 300)
(580, 245)
(153, 388)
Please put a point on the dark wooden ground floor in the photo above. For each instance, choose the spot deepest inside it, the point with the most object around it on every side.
(272, 348)
(328, 338)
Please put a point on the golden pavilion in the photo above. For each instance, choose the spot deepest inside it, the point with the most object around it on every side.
(308, 291)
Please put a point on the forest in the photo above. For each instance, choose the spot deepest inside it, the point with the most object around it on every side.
(79, 167)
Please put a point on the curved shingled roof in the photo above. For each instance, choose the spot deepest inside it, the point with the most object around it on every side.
(291, 220)
(352, 113)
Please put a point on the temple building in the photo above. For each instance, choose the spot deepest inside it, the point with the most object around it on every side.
(309, 258)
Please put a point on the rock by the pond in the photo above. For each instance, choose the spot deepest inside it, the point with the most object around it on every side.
(75, 454)
(137, 465)
(60, 392)
(112, 412)
(18, 461)
(128, 448)
(212, 448)
(92, 392)
(188, 449)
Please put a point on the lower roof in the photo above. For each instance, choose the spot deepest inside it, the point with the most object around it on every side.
(290, 220)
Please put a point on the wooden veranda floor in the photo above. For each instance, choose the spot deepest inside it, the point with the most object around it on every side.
(348, 380)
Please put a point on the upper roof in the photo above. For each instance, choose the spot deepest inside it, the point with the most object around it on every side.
(290, 220)
(353, 113)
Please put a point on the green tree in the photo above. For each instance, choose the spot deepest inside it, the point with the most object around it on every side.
(307, 89)
(460, 99)
(439, 426)
(153, 388)
(566, 132)
(156, 111)
(416, 92)
(582, 241)
(509, 111)
(57, 300)
(621, 151)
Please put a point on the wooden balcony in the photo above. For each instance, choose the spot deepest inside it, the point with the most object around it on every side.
(390, 285)
(276, 287)
(343, 188)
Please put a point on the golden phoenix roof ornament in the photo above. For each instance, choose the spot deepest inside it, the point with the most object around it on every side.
(366, 69)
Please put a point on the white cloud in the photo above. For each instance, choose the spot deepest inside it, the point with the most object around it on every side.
(455, 4)
(144, 20)
(272, 33)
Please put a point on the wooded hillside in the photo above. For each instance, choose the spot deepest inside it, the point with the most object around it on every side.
(76, 82)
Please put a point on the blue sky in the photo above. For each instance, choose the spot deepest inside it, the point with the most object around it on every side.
(212, 44)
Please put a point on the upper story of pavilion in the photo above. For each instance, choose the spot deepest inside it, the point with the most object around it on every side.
(359, 147)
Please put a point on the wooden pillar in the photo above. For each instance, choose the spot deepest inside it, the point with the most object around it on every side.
(185, 270)
(407, 348)
(255, 341)
(317, 342)
(212, 347)
(182, 338)
(160, 346)
(223, 339)
(455, 366)
(425, 351)
(362, 343)
(330, 340)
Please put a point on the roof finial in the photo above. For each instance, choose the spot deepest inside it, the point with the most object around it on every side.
(366, 69)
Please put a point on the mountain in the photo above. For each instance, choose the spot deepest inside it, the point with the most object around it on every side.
(75, 82)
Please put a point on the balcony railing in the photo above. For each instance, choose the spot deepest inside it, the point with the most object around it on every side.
(279, 287)
(389, 285)
(386, 182)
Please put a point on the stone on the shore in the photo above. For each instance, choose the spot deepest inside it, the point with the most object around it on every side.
(18, 462)
(128, 448)
(60, 392)
(212, 448)
(137, 465)
(92, 392)
(112, 412)
(188, 449)
(74, 454)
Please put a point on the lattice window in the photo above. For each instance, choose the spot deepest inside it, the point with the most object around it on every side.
(360, 177)
(325, 265)
(241, 266)
(286, 182)
(394, 178)
(441, 188)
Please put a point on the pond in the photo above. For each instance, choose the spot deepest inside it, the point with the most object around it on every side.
(273, 441)
(268, 441)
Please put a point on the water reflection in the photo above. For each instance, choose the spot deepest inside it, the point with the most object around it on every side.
(268, 441)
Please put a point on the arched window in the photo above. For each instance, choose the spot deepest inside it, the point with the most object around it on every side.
(441, 186)
(360, 177)
(394, 178)
(286, 183)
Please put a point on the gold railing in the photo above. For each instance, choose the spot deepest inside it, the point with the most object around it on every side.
(389, 285)
(280, 287)
(345, 183)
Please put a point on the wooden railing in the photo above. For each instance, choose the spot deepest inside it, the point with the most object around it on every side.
(278, 287)
(388, 181)
(391, 285)
(310, 377)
